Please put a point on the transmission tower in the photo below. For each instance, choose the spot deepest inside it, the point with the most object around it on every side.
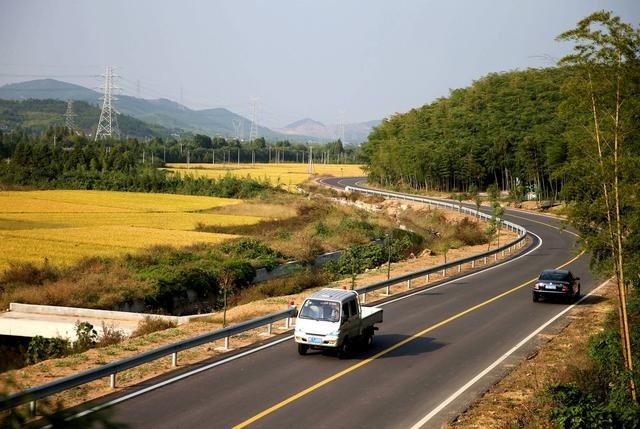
(341, 126)
(237, 127)
(108, 123)
(253, 133)
(69, 122)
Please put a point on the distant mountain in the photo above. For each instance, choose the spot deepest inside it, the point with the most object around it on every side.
(163, 112)
(353, 133)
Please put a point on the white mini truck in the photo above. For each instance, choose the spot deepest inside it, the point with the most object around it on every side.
(333, 319)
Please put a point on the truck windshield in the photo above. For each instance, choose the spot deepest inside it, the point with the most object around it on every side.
(320, 310)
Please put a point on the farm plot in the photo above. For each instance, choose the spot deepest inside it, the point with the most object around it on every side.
(284, 175)
(64, 226)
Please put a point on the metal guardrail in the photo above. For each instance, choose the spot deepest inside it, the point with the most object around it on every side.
(111, 369)
(458, 263)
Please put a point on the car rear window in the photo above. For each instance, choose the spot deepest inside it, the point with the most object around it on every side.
(554, 276)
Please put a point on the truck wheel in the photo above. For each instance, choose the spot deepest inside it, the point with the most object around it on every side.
(302, 349)
(345, 349)
(367, 339)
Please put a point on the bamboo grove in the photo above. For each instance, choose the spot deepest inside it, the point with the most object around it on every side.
(503, 129)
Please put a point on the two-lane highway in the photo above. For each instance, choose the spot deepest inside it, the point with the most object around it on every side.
(436, 350)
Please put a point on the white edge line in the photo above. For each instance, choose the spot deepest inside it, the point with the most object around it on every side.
(265, 346)
(461, 390)
(173, 379)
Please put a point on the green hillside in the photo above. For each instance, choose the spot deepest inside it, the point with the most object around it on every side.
(161, 112)
(36, 116)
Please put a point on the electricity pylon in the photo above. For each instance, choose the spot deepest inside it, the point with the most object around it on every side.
(108, 123)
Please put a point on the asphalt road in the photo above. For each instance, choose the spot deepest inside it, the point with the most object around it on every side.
(452, 334)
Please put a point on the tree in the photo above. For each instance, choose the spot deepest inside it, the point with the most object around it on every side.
(606, 89)
(233, 274)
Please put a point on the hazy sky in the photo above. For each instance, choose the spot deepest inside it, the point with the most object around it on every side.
(322, 59)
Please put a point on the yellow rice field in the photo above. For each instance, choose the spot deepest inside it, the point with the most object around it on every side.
(64, 226)
(285, 175)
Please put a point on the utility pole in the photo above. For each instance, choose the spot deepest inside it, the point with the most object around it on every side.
(311, 170)
(108, 123)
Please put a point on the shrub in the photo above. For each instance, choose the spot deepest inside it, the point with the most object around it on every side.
(110, 336)
(87, 337)
(255, 250)
(41, 348)
(28, 273)
(576, 409)
(294, 284)
(152, 324)
(469, 233)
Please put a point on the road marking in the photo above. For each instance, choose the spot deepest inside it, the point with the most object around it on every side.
(384, 352)
(171, 380)
(271, 344)
(488, 369)
(544, 223)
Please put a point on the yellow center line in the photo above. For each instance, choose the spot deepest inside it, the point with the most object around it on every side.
(545, 224)
(384, 352)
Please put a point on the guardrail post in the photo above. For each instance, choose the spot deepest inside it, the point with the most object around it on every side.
(364, 298)
(387, 291)
(409, 284)
(287, 323)
(427, 278)
(473, 263)
(112, 380)
(269, 328)
(32, 408)
(459, 267)
(226, 343)
(174, 359)
(444, 272)
(485, 260)
(495, 256)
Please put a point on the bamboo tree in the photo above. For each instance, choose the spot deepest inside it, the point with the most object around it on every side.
(604, 48)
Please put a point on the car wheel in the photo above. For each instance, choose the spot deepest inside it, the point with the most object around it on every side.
(302, 349)
(536, 298)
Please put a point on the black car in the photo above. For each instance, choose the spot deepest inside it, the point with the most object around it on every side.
(557, 283)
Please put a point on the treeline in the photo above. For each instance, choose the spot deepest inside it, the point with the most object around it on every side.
(504, 129)
(218, 150)
(189, 148)
(107, 165)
